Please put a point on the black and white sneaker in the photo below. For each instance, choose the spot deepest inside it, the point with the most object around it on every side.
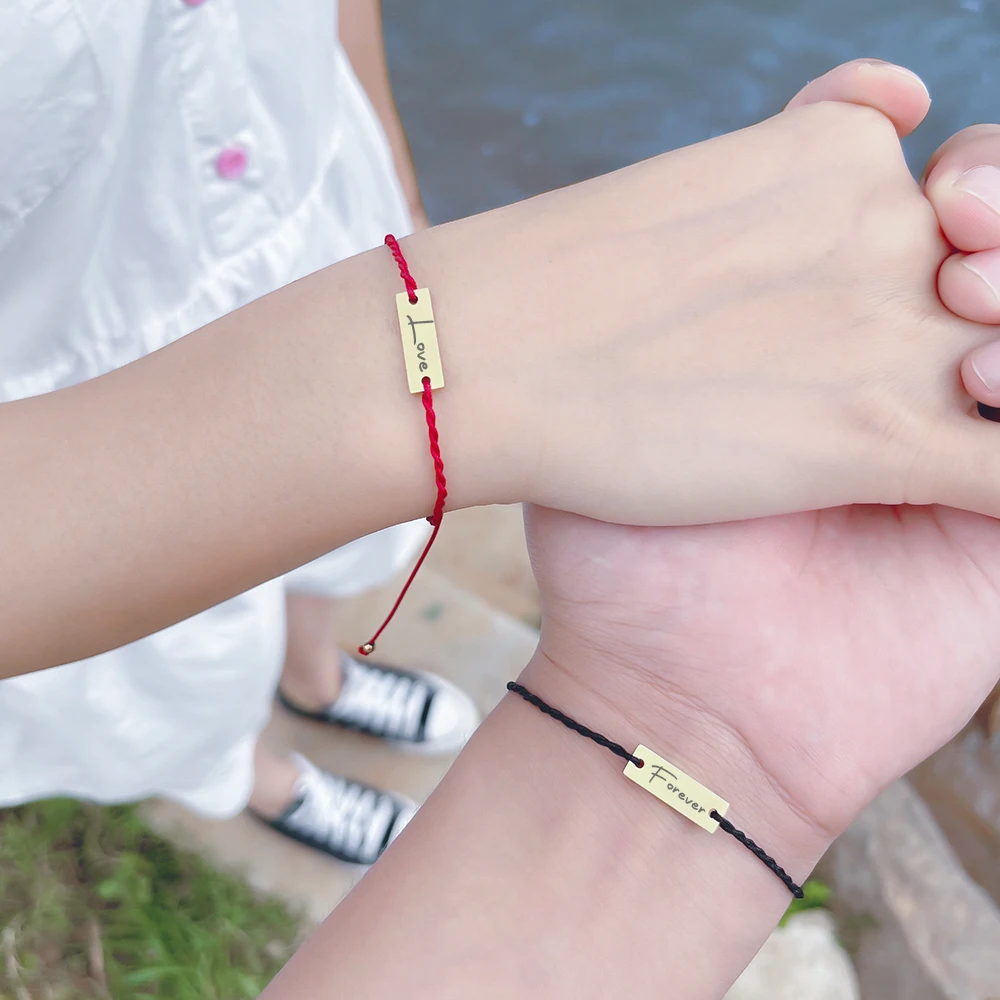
(349, 820)
(414, 711)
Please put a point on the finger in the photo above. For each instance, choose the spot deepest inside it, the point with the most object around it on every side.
(897, 92)
(969, 473)
(981, 375)
(962, 182)
(969, 285)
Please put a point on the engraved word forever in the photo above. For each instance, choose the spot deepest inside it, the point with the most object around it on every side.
(678, 790)
(659, 771)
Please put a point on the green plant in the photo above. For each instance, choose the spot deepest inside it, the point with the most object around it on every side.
(93, 904)
(817, 895)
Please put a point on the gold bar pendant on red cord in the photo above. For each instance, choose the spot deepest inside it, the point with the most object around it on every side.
(420, 343)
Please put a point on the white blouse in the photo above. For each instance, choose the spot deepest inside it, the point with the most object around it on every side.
(165, 161)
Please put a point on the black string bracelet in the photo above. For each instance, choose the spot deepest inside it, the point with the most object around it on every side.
(620, 751)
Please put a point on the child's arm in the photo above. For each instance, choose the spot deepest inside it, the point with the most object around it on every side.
(962, 183)
(741, 328)
(361, 35)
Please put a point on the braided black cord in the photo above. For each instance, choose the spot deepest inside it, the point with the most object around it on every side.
(617, 748)
(569, 723)
(758, 853)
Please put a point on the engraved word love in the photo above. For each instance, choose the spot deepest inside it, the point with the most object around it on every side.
(420, 345)
(421, 348)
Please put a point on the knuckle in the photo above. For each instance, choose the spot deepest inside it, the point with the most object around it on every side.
(910, 426)
(856, 127)
(889, 409)
(899, 230)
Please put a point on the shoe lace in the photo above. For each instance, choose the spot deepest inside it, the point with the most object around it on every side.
(381, 701)
(351, 818)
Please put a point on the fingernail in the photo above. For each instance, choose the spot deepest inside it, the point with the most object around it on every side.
(986, 267)
(981, 182)
(985, 363)
(902, 70)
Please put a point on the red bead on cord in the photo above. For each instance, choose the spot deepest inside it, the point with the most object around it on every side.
(427, 397)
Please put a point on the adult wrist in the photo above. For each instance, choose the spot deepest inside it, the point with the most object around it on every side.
(632, 707)
(546, 872)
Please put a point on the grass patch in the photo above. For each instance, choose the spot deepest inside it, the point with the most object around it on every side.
(93, 904)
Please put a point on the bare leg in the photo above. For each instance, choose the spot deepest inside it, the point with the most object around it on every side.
(274, 781)
(312, 677)
(313, 671)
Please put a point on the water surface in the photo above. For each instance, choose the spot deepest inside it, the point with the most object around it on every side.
(506, 99)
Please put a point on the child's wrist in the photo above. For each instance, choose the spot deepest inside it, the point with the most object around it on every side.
(480, 415)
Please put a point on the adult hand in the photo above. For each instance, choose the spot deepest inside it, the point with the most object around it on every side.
(829, 651)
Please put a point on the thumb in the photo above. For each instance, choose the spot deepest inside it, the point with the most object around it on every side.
(897, 93)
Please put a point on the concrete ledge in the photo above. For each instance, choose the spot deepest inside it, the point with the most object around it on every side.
(920, 928)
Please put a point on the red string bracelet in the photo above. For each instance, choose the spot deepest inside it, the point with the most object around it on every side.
(424, 374)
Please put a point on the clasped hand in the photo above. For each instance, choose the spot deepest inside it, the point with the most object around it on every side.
(835, 649)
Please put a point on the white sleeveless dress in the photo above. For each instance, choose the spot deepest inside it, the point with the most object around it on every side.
(162, 162)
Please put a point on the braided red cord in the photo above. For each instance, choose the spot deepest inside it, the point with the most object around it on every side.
(404, 269)
(427, 397)
(432, 434)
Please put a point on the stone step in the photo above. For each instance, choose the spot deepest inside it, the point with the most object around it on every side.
(800, 961)
(442, 627)
(961, 784)
(918, 926)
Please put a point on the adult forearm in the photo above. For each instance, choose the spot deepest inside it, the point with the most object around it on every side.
(537, 870)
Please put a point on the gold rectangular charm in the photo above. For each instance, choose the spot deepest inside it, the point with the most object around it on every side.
(420, 345)
(671, 785)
